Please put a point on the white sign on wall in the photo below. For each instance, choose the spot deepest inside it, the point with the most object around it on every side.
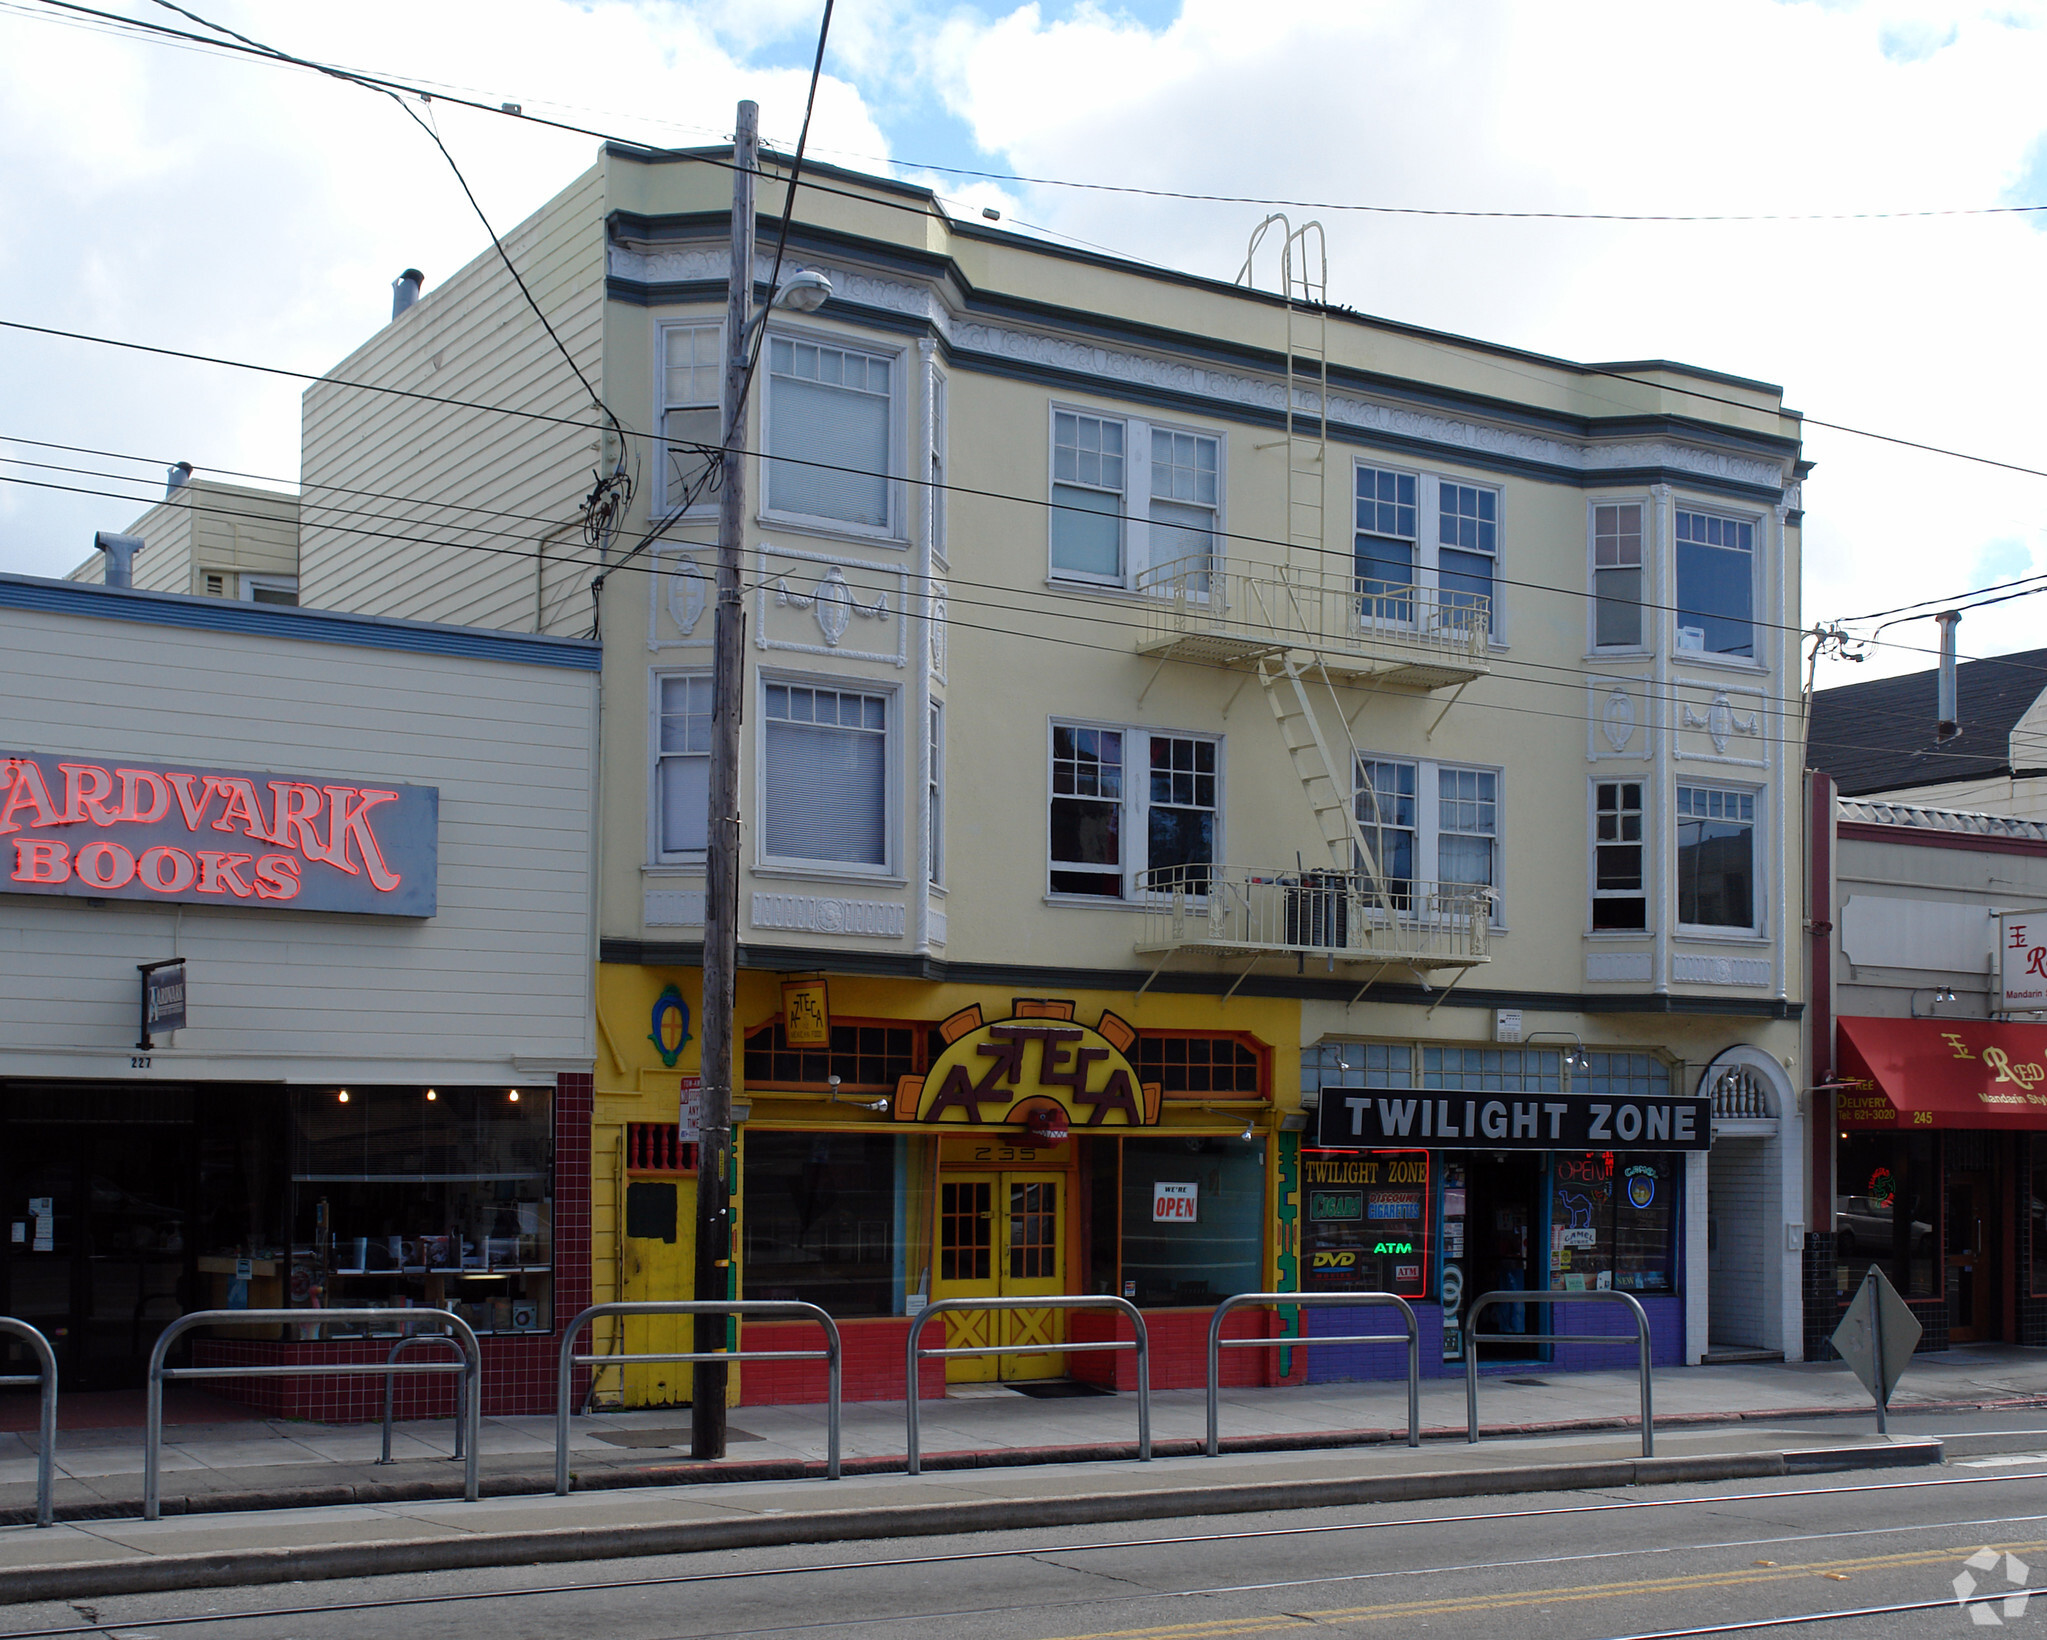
(690, 1112)
(1172, 1203)
(2022, 958)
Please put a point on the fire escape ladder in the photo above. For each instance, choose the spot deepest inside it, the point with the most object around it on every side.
(1329, 796)
(1304, 288)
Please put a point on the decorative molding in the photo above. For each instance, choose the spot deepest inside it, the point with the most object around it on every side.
(1720, 970)
(818, 915)
(936, 919)
(1720, 722)
(711, 265)
(685, 585)
(833, 603)
(1620, 719)
(674, 908)
(1617, 968)
(938, 605)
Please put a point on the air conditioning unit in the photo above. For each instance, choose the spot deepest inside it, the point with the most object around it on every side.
(1317, 910)
(1691, 637)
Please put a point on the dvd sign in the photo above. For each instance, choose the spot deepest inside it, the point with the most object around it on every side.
(147, 830)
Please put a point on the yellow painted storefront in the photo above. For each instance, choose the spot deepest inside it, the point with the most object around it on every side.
(975, 1143)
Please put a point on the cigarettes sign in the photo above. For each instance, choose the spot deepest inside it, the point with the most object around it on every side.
(155, 831)
(2022, 955)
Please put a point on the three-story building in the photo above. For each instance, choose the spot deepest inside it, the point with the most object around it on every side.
(1169, 706)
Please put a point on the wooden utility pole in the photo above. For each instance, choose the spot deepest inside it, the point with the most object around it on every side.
(721, 874)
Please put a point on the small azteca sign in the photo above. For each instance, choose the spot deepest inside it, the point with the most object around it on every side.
(1040, 1068)
(157, 831)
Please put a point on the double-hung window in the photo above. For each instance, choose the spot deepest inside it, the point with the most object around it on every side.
(1160, 791)
(1716, 581)
(1131, 500)
(1619, 901)
(825, 776)
(935, 791)
(1467, 551)
(831, 431)
(682, 767)
(1384, 547)
(1428, 823)
(1716, 858)
(692, 424)
(1617, 575)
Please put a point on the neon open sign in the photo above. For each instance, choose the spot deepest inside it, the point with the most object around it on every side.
(154, 831)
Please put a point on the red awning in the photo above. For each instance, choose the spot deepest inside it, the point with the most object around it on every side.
(1899, 1074)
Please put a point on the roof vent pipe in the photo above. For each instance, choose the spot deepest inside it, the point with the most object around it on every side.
(120, 551)
(405, 290)
(178, 478)
(1950, 719)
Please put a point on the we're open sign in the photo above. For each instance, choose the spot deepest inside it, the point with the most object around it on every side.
(1172, 1203)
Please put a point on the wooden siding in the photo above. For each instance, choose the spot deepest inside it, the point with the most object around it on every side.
(500, 974)
(229, 529)
(430, 512)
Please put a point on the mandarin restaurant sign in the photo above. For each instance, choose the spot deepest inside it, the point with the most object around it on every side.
(1943, 1073)
(1039, 1068)
(145, 830)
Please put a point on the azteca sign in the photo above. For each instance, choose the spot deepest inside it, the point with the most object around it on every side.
(1040, 1068)
(215, 837)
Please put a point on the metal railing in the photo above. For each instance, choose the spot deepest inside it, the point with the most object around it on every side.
(1230, 606)
(1350, 916)
(1473, 1338)
(1217, 1344)
(46, 1457)
(786, 1309)
(470, 1395)
(391, 1380)
(947, 1306)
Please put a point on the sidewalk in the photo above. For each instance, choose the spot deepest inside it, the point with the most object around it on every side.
(234, 1462)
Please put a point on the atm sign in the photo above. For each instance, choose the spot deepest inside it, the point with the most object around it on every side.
(1396, 1249)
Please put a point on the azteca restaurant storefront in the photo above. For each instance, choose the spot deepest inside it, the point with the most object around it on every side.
(1941, 1172)
(901, 1143)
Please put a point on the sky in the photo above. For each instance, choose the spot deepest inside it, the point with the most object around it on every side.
(164, 193)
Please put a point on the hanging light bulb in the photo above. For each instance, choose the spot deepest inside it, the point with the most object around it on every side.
(431, 1096)
(342, 1096)
(512, 1094)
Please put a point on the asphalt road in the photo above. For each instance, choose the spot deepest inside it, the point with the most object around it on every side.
(1777, 1558)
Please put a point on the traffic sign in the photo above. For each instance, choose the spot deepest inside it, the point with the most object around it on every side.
(1876, 1338)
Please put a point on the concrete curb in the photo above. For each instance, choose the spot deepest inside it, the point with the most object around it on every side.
(239, 1568)
(508, 1484)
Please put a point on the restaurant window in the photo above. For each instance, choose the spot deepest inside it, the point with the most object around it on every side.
(1191, 1064)
(1173, 1257)
(1887, 1211)
(425, 1198)
(822, 1222)
(868, 1056)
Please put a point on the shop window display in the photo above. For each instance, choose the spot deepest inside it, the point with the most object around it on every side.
(825, 1219)
(425, 1198)
(1198, 1249)
(1613, 1221)
(1887, 1211)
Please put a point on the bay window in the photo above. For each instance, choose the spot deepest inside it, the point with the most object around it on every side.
(825, 776)
(1715, 584)
(1617, 575)
(1716, 857)
(831, 431)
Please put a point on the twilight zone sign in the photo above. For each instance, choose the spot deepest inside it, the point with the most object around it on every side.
(1375, 1119)
(159, 831)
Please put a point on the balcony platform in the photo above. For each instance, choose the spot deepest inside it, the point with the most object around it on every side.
(1218, 613)
(1341, 917)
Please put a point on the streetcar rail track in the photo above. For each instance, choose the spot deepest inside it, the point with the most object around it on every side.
(956, 1557)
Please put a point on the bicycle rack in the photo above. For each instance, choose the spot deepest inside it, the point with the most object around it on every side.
(1217, 1343)
(1473, 1338)
(1141, 1344)
(46, 1458)
(390, 1381)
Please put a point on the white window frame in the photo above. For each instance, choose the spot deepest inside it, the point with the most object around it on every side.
(246, 591)
(891, 870)
(1134, 532)
(1759, 545)
(656, 855)
(935, 794)
(1592, 843)
(1496, 630)
(1759, 891)
(1136, 805)
(707, 504)
(1377, 611)
(896, 531)
(936, 461)
(1645, 643)
(1428, 827)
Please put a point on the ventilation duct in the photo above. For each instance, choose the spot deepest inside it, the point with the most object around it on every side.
(120, 551)
(1949, 724)
(405, 290)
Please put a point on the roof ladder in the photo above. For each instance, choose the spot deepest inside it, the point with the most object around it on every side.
(1304, 287)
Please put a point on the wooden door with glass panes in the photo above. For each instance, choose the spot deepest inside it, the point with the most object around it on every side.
(1002, 1235)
